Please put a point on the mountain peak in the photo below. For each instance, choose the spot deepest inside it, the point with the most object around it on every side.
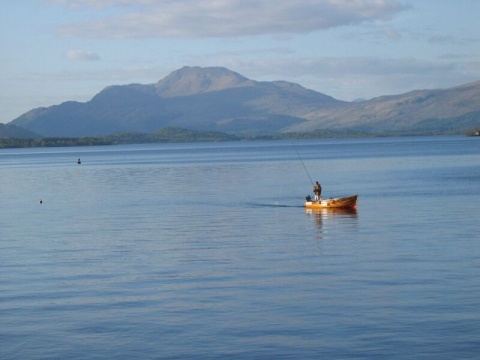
(197, 80)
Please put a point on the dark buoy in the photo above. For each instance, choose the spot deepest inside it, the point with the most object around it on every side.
(41, 201)
(78, 161)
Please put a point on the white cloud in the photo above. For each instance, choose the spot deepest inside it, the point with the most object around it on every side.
(335, 67)
(393, 35)
(356, 77)
(228, 18)
(82, 55)
(102, 3)
(443, 39)
(451, 40)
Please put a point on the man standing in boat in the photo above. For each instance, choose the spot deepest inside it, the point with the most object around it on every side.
(317, 191)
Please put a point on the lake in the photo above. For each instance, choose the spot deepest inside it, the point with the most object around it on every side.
(204, 251)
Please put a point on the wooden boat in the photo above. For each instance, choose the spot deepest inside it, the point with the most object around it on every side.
(349, 202)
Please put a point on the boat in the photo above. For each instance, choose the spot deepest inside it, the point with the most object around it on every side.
(349, 202)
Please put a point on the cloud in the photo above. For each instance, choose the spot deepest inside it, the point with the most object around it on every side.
(335, 67)
(453, 56)
(451, 40)
(393, 35)
(356, 77)
(101, 3)
(443, 39)
(82, 55)
(227, 18)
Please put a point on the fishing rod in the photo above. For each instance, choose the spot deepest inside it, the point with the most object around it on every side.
(303, 164)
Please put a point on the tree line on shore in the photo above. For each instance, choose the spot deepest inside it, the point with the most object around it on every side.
(171, 135)
(165, 135)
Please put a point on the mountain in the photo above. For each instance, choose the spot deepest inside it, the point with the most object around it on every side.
(213, 99)
(12, 131)
(453, 110)
(193, 81)
(217, 99)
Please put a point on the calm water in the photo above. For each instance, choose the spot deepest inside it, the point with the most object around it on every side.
(204, 251)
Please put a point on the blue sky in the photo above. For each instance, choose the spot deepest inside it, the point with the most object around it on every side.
(60, 50)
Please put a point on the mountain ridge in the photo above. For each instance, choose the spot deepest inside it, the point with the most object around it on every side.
(193, 81)
(218, 99)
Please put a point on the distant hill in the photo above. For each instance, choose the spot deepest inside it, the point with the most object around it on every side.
(453, 110)
(164, 135)
(12, 131)
(217, 99)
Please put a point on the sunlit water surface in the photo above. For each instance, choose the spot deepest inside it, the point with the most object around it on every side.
(204, 251)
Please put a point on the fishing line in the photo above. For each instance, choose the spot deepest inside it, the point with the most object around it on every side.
(303, 164)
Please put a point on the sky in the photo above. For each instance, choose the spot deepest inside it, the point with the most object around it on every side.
(52, 51)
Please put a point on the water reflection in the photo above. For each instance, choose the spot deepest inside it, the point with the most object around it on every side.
(332, 218)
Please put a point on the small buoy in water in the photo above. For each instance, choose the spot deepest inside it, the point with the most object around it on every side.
(78, 161)
(41, 201)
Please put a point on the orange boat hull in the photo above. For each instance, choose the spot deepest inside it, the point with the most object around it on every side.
(349, 202)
